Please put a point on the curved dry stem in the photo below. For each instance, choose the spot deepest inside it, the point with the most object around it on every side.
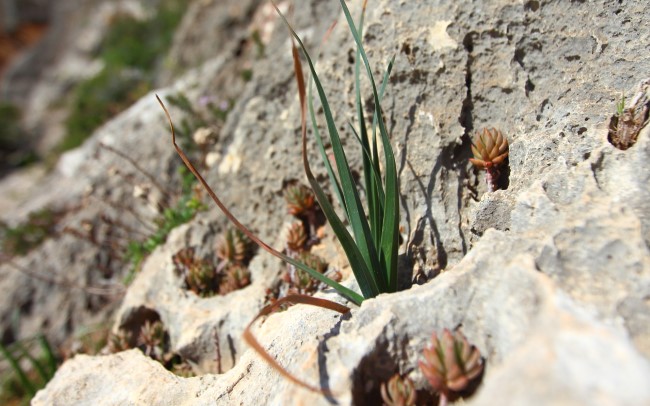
(295, 299)
(347, 292)
(207, 187)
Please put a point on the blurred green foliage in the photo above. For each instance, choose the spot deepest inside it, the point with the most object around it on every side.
(20, 384)
(140, 44)
(19, 240)
(130, 51)
(98, 99)
(14, 148)
(9, 126)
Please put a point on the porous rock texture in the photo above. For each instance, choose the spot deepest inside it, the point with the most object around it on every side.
(549, 277)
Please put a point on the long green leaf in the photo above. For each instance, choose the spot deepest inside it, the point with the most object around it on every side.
(49, 355)
(321, 147)
(40, 369)
(370, 182)
(18, 370)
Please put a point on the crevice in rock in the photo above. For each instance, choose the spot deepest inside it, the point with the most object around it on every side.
(466, 114)
(373, 369)
(596, 169)
(427, 191)
(324, 377)
(408, 260)
(133, 322)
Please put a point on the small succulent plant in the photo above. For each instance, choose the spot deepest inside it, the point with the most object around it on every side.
(200, 276)
(296, 237)
(450, 363)
(490, 149)
(234, 246)
(300, 200)
(300, 280)
(118, 342)
(236, 276)
(152, 339)
(183, 258)
(399, 391)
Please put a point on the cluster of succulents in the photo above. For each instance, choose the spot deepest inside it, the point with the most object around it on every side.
(490, 149)
(235, 276)
(207, 279)
(300, 236)
(235, 251)
(200, 275)
(450, 364)
(152, 339)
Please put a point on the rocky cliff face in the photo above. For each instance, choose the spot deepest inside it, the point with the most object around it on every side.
(549, 277)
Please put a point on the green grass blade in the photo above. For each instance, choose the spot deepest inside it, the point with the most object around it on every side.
(376, 176)
(22, 376)
(38, 367)
(389, 241)
(355, 211)
(382, 90)
(49, 355)
(321, 148)
(365, 279)
(362, 135)
(378, 191)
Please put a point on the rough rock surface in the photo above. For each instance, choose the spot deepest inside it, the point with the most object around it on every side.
(67, 272)
(549, 278)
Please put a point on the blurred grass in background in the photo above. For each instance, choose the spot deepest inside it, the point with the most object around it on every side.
(131, 51)
(14, 151)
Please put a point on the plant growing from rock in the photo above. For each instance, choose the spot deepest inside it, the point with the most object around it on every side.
(626, 124)
(118, 342)
(296, 237)
(205, 279)
(490, 149)
(302, 283)
(372, 246)
(301, 203)
(24, 237)
(199, 275)
(398, 391)
(234, 246)
(236, 276)
(450, 363)
(153, 340)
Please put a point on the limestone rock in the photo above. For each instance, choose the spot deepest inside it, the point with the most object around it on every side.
(548, 277)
